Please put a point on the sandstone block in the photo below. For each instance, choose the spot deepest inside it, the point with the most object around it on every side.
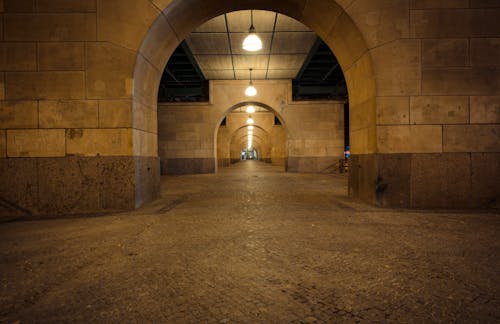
(61, 56)
(461, 81)
(50, 27)
(68, 114)
(3, 143)
(145, 144)
(125, 22)
(438, 4)
(484, 4)
(109, 71)
(45, 85)
(397, 68)
(19, 114)
(115, 113)
(454, 23)
(485, 51)
(66, 6)
(380, 21)
(100, 142)
(17, 57)
(393, 110)
(485, 110)
(471, 138)
(445, 52)
(409, 139)
(35, 143)
(18, 5)
(439, 110)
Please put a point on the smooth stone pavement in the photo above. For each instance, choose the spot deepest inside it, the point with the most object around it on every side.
(253, 244)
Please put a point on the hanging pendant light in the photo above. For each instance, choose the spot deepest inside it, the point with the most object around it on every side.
(250, 91)
(250, 120)
(250, 109)
(252, 42)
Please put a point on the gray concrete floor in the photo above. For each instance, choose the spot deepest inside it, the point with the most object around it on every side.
(253, 244)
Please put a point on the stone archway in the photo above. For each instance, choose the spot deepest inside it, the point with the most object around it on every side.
(326, 18)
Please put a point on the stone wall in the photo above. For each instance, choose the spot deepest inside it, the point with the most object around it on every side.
(314, 131)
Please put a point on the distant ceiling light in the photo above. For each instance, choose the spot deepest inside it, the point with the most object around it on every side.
(250, 109)
(252, 42)
(250, 121)
(250, 91)
(250, 133)
(250, 127)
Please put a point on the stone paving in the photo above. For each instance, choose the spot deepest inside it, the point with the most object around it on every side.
(253, 244)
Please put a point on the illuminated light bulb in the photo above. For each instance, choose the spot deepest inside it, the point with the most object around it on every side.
(252, 42)
(250, 91)
(250, 127)
(250, 109)
(250, 121)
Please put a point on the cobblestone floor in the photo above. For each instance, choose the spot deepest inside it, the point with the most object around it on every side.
(253, 244)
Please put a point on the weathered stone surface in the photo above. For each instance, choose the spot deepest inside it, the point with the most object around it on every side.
(50, 27)
(35, 143)
(19, 187)
(485, 175)
(18, 6)
(68, 114)
(145, 118)
(61, 56)
(126, 22)
(441, 180)
(115, 113)
(19, 114)
(66, 6)
(363, 177)
(145, 143)
(410, 139)
(438, 4)
(454, 23)
(471, 138)
(17, 56)
(322, 24)
(187, 165)
(69, 185)
(485, 51)
(105, 142)
(380, 21)
(485, 109)
(393, 111)
(392, 187)
(397, 68)
(461, 81)
(3, 144)
(44, 85)
(439, 110)
(147, 179)
(445, 52)
(484, 4)
(109, 71)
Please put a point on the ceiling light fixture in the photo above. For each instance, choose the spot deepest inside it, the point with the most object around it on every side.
(250, 127)
(250, 109)
(252, 42)
(250, 120)
(250, 91)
